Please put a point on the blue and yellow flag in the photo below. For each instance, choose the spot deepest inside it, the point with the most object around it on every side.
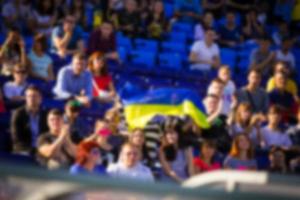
(141, 108)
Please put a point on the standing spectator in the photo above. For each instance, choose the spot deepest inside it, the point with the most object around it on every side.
(252, 28)
(129, 165)
(205, 54)
(207, 21)
(78, 10)
(253, 93)
(230, 33)
(272, 134)
(28, 122)
(262, 58)
(216, 7)
(241, 156)
(55, 148)
(277, 160)
(103, 87)
(74, 81)
(284, 53)
(67, 39)
(41, 62)
(12, 52)
(206, 161)
(103, 39)
(177, 163)
(88, 157)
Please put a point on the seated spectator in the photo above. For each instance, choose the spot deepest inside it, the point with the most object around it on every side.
(129, 19)
(75, 81)
(88, 158)
(230, 33)
(282, 32)
(205, 162)
(41, 62)
(55, 148)
(28, 122)
(45, 17)
(14, 90)
(103, 40)
(216, 7)
(188, 10)
(206, 22)
(284, 53)
(103, 87)
(262, 58)
(245, 122)
(177, 163)
(272, 134)
(129, 165)
(156, 21)
(252, 28)
(77, 9)
(253, 93)
(294, 131)
(205, 54)
(290, 86)
(67, 39)
(229, 89)
(78, 128)
(12, 52)
(277, 161)
(241, 156)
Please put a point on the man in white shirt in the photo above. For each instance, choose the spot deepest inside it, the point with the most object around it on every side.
(129, 165)
(205, 54)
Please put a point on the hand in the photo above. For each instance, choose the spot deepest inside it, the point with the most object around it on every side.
(21, 43)
(65, 131)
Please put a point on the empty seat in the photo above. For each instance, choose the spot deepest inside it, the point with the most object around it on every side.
(141, 57)
(228, 57)
(172, 46)
(144, 44)
(170, 60)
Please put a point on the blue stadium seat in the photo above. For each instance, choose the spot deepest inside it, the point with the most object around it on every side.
(183, 27)
(172, 46)
(123, 41)
(228, 57)
(177, 37)
(123, 53)
(140, 57)
(170, 60)
(144, 44)
(169, 10)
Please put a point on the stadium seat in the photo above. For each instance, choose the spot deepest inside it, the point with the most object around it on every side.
(177, 37)
(172, 46)
(123, 41)
(228, 57)
(123, 53)
(140, 57)
(147, 45)
(183, 27)
(169, 10)
(170, 60)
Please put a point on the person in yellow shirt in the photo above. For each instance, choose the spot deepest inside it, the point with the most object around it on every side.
(296, 11)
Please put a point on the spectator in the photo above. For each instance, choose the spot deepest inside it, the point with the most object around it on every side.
(129, 165)
(283, 9)
(230, 33)
(12, 51)
(129, 19)
(205, 54)
(88, 158)
(28, 122)
(41, 62)
(277, 161)
(206, 22)
(60, 10)
(189, 10)
(156, 21)
(77, 9)
(216, 7)
(45, 17)
(206, 162)
(284, 53)
(262, 58)
(103, 40)
(281, 32)
(216, 87)
(241, 156)
(74, 81)
(294, 131)
(272, 134)
(177, 163)
(252, 28)
(103, 87)
(67, 39)
(253, 93)
(55, 148)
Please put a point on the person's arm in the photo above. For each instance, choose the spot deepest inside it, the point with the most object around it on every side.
(16, 129)
(71, 148)
(60, 87)
(50, 73)
(23, 60)
(113, 55)
(190, 164)
(61, 43)
(193, 58)
(265, 62)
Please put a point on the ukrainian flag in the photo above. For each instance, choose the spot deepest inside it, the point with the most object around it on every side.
(141, 108)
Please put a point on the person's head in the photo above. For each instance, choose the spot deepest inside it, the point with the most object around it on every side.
(72, 109)
(19, 74)
(254, 78)
(280, 80)
(129, 155)
(286, 44)
(210, 35)
(158, 7)
(274, 115)
(264, 44)
(78, 63)
(211, 103)
(112, 117)
(45, 7)
(230, 18)
(39, 43)
(55, 121)
(14, 34)
(252, 15)
(170, 137)
(208, 149)
(277, 157)
(69, 23)
(97, 64)
(216, 87)
(224, 73)
(33, 97)
(208, 19)
(241, 143)
(281, 66)
(137, 137)
(130, 5)
(106, 29)
(87, 152)
(243, 113)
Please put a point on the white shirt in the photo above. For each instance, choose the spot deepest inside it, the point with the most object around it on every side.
(40, 64)
(138, 172)
(11, 90)
(228, 91)
(199, 32)
(276, 138)
(204, 52)
(289, 58)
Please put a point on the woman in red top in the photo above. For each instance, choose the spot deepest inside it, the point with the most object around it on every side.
(103, 88)
(205, 161)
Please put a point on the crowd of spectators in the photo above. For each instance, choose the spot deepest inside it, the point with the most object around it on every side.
(73, 42)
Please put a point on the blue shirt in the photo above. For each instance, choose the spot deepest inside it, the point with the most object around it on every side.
(68, 84)
(188, 6)
(34, 127)
(77, 169)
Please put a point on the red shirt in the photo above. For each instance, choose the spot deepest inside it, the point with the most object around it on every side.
(102, 82)
(202, 166)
